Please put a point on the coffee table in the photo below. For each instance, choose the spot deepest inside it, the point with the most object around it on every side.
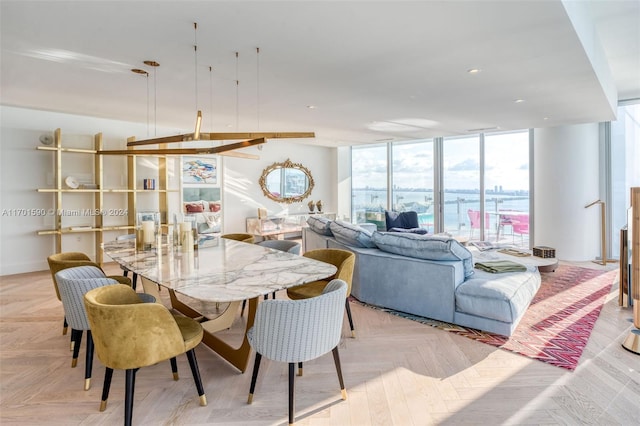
(548, 264)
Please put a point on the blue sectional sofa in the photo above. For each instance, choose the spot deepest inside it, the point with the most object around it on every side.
(394, 271)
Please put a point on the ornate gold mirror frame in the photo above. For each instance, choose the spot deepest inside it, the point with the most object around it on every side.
(294, 182)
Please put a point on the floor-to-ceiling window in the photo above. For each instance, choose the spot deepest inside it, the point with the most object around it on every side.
(369, 177)
(461, 186)
(506, 186)
(412, 180)
(400, 176)
(625, 167)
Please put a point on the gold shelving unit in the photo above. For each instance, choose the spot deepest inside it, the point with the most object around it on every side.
(98, 227)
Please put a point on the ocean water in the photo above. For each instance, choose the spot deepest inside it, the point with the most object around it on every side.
(369, 205)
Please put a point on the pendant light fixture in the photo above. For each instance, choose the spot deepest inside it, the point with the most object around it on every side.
(250, 138)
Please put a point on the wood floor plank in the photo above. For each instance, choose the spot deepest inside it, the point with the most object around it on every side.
(397, 372)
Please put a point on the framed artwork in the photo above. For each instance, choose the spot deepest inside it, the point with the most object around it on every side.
(201, 171)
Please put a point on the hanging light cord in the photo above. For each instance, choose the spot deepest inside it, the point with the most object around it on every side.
(148, 107)
(155, 101)
(237, 95)
(195, 54)
(258, 86)
(211, 96)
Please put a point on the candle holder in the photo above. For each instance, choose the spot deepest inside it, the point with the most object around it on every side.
(186, 233)
(147, 230)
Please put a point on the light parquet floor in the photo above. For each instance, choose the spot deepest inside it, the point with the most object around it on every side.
(397, 372)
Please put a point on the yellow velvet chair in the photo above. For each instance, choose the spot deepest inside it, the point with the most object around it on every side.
(343, 260)
(58, 262)
(129, 335)
(245, 238)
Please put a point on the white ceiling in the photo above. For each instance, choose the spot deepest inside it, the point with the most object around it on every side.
(374, 71)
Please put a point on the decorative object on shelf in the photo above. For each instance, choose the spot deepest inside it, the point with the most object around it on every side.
(46, 139)
(72, 182)
(149, 184)
(286, 182)
(147, 230)
(311, 206)
(262, 213)
(319, 206)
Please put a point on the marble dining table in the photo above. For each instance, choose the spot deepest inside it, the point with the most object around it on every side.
(226, 272)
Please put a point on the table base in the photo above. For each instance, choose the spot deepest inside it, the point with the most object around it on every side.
(238, 357)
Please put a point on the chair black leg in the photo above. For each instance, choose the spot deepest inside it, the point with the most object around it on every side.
(130, 385)
(134, 281)
(299, 369)
(292, 378)
(125, 273)
(76, 346)
(195, 371)
(174, 368)
(88, 361)
(348, 308)
(336, 360)
(65, 326)
(244, 305)
(254, 377)
(108, 374)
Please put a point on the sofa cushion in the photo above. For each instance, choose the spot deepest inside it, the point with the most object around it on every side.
(320, 225)
(350, 234)
(502, 297)
(424, 247)
(406, 220)
(420, 231)
(194, 208)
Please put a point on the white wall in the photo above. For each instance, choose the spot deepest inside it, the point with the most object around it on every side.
(23, 169)
(243, 196)
(566, 179)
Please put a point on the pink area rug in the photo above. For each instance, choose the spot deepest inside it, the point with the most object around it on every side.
(556, 327)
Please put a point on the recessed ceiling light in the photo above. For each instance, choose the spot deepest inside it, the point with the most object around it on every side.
(311, 106)
(474, 70)
(518, 101)
(545, 118)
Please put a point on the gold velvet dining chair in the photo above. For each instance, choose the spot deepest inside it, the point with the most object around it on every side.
(129, 335)
(344, 260)
(59, 261)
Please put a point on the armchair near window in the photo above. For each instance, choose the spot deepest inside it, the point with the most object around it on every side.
(520, 225)
(474, 220)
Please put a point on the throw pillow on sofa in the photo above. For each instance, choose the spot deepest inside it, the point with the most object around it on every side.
(320, 225)
(424, 247)
(351, 235)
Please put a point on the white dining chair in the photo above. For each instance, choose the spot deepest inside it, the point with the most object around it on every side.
(295, 331)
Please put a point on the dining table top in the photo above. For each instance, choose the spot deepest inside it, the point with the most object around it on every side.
(226, 271)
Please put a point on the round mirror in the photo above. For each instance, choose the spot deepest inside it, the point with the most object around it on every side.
(286, 182)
